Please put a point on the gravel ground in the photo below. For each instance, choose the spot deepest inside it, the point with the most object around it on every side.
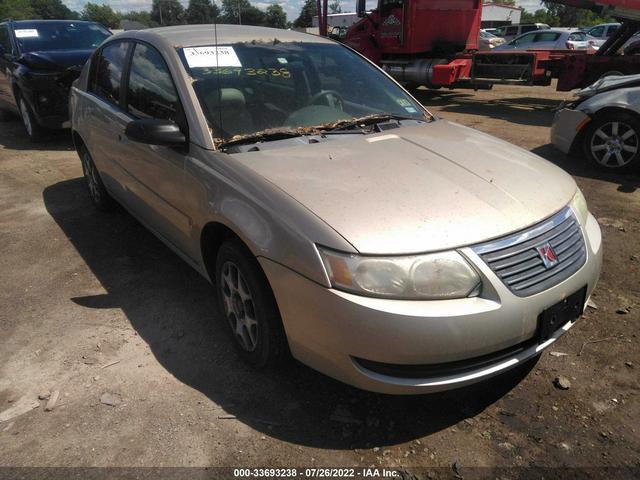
(93, 307)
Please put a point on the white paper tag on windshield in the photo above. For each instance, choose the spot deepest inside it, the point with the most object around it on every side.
(26, 33)
(199, 57)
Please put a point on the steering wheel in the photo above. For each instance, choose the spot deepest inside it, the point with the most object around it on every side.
(333, 99)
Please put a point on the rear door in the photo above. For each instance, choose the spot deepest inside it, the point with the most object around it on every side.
(156, 171)
(7, 100)
(106, 119)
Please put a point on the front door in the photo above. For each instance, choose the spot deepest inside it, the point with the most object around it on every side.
(157, 171)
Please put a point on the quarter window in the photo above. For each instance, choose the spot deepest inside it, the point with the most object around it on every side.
(108, 71)
(151, 91)
(547, 37)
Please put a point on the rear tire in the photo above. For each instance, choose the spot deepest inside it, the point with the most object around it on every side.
(612, 142)
(35, 132)
(248, 306)
(97, 191)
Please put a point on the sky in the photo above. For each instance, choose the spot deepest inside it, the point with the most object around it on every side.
(292, 7)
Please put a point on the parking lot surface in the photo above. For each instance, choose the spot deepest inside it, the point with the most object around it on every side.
(94, 308)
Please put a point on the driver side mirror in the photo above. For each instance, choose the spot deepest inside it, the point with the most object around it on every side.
(154, 131)
(361, 7)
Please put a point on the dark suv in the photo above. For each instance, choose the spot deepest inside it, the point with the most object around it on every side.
(39, 59)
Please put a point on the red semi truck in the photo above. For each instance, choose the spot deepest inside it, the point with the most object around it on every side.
(435, 43)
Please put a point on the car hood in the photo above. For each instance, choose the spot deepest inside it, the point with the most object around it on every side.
(420, 188)
(56, 60)
(609, 83)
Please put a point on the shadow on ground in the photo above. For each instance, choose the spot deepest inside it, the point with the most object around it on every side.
(172, 309)
(15, 138)
(530, 111)
(577, 165)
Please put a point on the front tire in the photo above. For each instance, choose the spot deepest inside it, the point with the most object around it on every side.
(612, 142)
(97, 191)
(31, 126)
(247, 303)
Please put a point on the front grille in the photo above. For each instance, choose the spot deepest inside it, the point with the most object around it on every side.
(516, 261)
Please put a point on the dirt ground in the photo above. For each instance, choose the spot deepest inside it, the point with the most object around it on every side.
(93, 306)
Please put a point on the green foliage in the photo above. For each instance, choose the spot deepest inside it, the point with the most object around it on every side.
(202, 11)
(309, 10)
(566, 16)
(242, 12)
(51, 9)
(335, 7)
(142, 17)
(167, 12)
(103, 14)
(276, 17)
(16, 9)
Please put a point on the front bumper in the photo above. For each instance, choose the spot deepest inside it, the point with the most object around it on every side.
(329, 329)
(566, 125)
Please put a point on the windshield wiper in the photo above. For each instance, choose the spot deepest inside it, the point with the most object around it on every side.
(266, 135)
(366, 120)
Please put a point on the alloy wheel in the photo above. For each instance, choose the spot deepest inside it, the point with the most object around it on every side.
(239, 306)
(91, 176)
(614, 144)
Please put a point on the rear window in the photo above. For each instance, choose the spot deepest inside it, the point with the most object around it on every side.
(48, 36)
(578, 37)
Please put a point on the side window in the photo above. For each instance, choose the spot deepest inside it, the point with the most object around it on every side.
(512, 31)
(547, 37)
(108, 71)
(611, 30)
(597, 32)
(525, 39)
(4, 39)
(151, 92)
(577, 37)
(529, 28)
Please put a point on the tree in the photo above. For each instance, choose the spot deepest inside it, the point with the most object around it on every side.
(167, 12)
(309, 10)
(335, 7)
(103, 14)
(202, 11)
(51, 9)
(242, 12)
(16, 9)
(275, 17)
(140, 17)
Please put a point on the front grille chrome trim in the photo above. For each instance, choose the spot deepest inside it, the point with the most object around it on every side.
(516, 262)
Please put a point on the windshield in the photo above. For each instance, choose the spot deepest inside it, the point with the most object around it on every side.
(48, 36)
(260, 86)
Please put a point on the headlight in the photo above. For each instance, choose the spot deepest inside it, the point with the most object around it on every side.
(418, 277)
(579, 206)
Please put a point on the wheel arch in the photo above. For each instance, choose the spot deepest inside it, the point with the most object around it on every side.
(212, 236)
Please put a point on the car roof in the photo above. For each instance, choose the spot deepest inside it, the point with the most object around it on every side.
(193, 35)
(32, 22)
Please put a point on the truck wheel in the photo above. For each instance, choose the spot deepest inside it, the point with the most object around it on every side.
(97, 191)
(31, 126)
(247, 303)
(612, 142)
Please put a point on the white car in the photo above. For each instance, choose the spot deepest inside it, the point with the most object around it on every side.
(602, 32)
(603, 122)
